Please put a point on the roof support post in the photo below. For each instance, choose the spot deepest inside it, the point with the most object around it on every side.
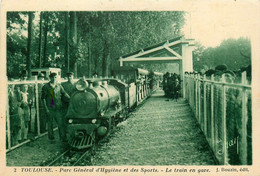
(121, 62)
(187, 57)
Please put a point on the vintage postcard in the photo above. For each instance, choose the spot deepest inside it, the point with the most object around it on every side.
(113, 87)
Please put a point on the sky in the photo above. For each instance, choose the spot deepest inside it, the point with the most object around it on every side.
(210, 24)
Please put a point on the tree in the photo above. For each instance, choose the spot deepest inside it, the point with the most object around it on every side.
(90, 39)
(67, 36)
(73, 41)
(228, 53)
(28, 58)
(40, 40)
(46, 21)
(16, 43)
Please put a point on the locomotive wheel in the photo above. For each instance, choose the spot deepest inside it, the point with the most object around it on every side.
(123, 115)
(112, 124)
(109, 124)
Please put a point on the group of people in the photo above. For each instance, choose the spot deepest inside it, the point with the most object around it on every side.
(222, 70)
(55, 98)
(53, 105)
(172, 85)
(20, 104)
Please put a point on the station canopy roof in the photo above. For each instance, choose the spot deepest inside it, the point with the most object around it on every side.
(167, 51)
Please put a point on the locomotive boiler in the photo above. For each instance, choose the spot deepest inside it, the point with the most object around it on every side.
(93, 111)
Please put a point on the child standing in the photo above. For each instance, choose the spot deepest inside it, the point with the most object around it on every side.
(24, 113)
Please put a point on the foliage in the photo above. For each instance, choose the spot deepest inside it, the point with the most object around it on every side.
(231, 52)
(101, 38)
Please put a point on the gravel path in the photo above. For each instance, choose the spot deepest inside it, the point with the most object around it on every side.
(160, 132)
(36, 152)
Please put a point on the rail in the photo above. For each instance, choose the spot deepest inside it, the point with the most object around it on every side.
(224, 113)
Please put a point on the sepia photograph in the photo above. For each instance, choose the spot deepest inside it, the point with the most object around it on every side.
(129, 91)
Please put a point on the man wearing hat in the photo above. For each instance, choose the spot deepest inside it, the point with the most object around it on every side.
(51, 96)
(69, 87)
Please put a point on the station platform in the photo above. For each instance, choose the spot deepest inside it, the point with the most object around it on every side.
(160, 132)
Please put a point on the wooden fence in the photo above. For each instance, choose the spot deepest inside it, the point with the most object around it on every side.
(12, 115)
(224, 113)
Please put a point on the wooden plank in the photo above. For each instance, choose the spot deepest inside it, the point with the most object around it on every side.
(224, 128)
(199, 101)
(152, 50)
(230, 84)
(173, 52)
(8, 121)
(37, 106)
(205, 107)
(244, 123)
(25, 82)
(121, 61)
(196, 97)
(182, 76)
(213, 142)
(191, 92)
(139, 59)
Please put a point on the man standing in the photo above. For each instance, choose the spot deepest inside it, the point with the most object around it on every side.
(51, 96)
(15, 122)
(69, 87)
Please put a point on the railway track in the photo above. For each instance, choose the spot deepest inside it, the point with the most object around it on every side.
(75, 157)
(70, 158)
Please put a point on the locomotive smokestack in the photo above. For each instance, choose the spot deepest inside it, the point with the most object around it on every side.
(90, 85)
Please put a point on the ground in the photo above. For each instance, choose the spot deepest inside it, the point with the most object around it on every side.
(35, 153)
(160, 132)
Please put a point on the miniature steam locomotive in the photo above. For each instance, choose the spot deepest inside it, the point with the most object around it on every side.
(99, 104)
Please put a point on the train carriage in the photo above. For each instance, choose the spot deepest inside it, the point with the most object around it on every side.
(138, 82)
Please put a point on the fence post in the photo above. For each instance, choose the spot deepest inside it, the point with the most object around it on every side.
(205, 106)
(199, 103)
(37, 106)
(244, 123)
(8, 120)
(224, 129)
(196, 99)
(194, 95)
(192, 92)
(212, 113)
(189, 86)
